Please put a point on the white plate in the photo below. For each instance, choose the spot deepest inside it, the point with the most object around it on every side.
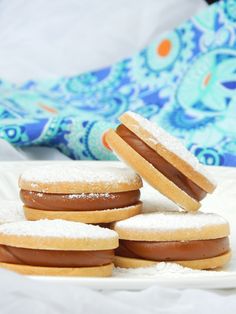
(223, 201)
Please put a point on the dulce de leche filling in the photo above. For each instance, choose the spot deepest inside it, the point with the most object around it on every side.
(79, 202)
(53, 258)
(173, 250)
(160, 163)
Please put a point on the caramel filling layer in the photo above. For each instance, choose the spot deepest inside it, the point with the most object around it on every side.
(51, 258)
(79, 202)
(160, 163)
(173, 250)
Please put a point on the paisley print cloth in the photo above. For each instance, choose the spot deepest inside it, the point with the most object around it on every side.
(185, 81)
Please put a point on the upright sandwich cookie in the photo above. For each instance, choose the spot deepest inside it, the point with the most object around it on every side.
(57, 247)
(78, 193)
(198, 241)
(161, 160)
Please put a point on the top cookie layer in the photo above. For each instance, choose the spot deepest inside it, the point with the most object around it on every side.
(71, 178)
(58, 235)
(169, 148)
(172, 226)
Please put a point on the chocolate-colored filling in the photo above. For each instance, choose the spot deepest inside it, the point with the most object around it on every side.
(173, 250)
(51, 258)
(160, 163)
(79, 202)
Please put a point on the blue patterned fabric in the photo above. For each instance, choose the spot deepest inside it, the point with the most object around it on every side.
(185, 81)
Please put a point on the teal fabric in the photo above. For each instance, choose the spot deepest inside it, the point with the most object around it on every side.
(185, 81)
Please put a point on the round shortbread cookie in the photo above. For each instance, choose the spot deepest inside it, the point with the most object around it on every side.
(57, 235)
(11, 211)
(72, 178)
(208, 263)
(149, 173)
(93, 217)
(78, 193)
(100, 271)
(172, 226)
(169, 148)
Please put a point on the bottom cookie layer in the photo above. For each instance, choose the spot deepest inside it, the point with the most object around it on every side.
(100, 271)
(208, 263)
(96, 216)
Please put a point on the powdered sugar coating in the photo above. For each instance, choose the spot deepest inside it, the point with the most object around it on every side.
(91, 196)
(11, 211)
(160, 136)
(170, 221)
(57, 229)
(80, 195)
(56, 173)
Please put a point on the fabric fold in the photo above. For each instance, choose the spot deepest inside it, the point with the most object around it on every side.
(184, 81)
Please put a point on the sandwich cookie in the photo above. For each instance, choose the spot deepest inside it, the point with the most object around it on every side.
(161, 160)
(198, 241)
(78, 193)
(57, 247)
(11, 211)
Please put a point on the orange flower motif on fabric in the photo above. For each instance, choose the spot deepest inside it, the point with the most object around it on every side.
(164, 48)
(48, 108)
(207, 79)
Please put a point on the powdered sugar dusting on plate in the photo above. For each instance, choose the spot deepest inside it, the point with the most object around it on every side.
(160, 136)
(170, 221)
(74, 173)
(57, 229)
(11, 211)
(163, 269)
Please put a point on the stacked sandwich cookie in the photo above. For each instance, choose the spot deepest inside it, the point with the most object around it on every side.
(57, 247)
(188, 237)
(60, 198)
(58, 201)
(84, 194)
